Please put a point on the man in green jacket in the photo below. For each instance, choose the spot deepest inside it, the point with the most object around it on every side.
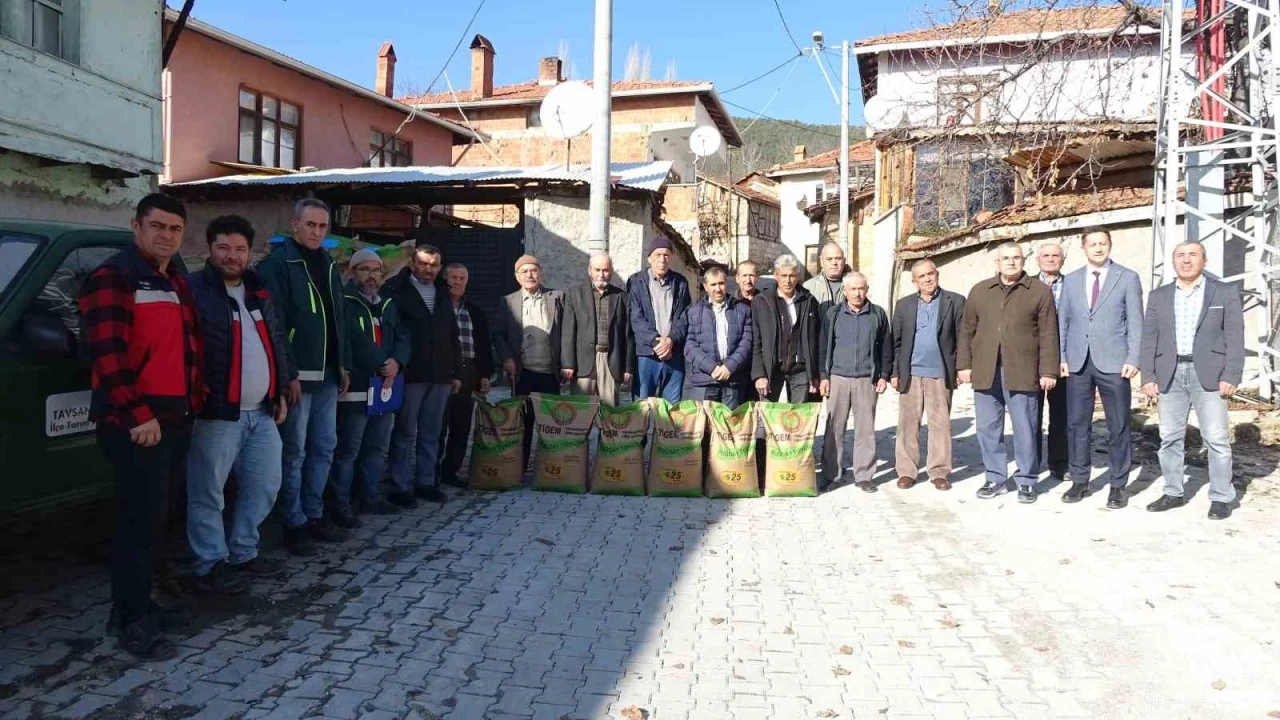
(379, 351)
(303, 279)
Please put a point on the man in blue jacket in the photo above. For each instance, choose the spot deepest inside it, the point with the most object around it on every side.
(303, 280)
(379, 349)
(717, 352)
(659, 300)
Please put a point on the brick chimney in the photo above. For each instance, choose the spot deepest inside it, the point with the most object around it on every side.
(386, 82)
(550, 71)
(798, 154)
(482, 66)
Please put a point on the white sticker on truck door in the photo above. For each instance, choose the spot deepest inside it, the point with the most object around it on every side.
(67, 414)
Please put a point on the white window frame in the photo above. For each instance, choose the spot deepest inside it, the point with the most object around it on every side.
(18, 19)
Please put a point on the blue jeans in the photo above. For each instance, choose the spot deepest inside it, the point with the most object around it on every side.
(661, 379)
(310, 434)
(251, 446)
(1024, 409)
(364, 439)
(1176, 402)
(415, 444)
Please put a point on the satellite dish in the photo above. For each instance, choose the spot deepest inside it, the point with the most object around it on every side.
(704, 141)
(878, 114)
(568, 110)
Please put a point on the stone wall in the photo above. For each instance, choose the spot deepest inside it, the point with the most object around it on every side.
(30, 190)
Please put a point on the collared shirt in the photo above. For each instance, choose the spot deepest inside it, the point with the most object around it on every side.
(466, 333)
(1055, 286)
(1090, 272)
(535, 347)
(854, 342)
(791, 307)
(926, 356)
(1187, 305)
(662, 293)
(602, 320)
(427, 291)
(720, 313)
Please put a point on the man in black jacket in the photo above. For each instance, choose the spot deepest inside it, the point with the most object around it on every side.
(596, 343)
(923, 333)
(247, 368)
(432, 376)
(475, 370)
(785, 337)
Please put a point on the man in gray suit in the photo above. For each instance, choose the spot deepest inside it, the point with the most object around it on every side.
(1100, 324)
(527, 338)
(1193, 356)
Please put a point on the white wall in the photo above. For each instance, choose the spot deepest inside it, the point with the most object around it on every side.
(1119, 82)
(795, 193)
(105, 109)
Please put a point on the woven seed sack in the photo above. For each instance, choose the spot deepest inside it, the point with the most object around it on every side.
(675, 463)
(564, 424)
(495, 451)
(789, 462)
(619, 468)
(731, 466)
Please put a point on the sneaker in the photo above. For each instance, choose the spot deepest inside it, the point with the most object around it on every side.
(1219, 510)
(992, 489)
(169, 618)
(221, 580)
(1077, 493)
(1116, 499)
(346, 519)
(260, 567)
(1166, 502)
(431, 494)
(1026, 494)
(144, 641)
(325, 531)
(402, 500)
(380, 507)
(297, 540)
(451, 479)
(867, 486)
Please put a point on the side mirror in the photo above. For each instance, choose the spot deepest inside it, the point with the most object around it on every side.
(46, 337)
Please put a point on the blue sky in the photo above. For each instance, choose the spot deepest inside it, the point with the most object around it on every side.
(725, 41)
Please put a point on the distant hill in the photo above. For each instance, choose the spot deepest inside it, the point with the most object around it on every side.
(770, 142)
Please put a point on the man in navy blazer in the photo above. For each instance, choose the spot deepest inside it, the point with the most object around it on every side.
(1100, 328)
(659, 307)
(1193, 356)
(717, 353)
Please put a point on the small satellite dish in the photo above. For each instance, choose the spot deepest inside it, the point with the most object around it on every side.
(878, 114)
(568, 110)
(704, 141)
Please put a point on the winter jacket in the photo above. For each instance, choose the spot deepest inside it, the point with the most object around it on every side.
(376, 335)
(311, 332)
(702, 353)
(433, 336)
(643, 324)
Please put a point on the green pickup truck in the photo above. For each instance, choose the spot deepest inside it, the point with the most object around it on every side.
(48, 454)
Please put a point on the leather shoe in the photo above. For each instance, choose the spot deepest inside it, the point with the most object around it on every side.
(346, 519)
(452, 480)
(402, 500)
(431, 494)
(1219, 511)
(1166, 502)
(942, 483)
(1116, 499)
(381, 507)
(1076, 493)
(325, 531)
(298, 541)
(867, 486)
(906, 483)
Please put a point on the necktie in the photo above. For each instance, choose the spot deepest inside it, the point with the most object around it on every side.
(1097, 288)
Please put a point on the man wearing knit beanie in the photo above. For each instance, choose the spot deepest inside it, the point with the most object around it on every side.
(659, 306)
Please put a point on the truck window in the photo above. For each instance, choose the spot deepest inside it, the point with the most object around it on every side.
(58, 296)
(15, 250)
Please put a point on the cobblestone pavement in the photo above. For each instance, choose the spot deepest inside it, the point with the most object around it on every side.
(899, 604)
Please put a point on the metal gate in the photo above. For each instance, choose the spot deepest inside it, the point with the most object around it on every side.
(489, 254)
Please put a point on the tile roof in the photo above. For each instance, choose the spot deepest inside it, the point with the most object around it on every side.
(533, 90)
(860, 152)
(1039, 21)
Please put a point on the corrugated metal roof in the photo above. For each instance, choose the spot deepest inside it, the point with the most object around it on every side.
(640, 176)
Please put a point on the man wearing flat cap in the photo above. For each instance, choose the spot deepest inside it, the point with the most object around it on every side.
(527, 338)
(660, 301)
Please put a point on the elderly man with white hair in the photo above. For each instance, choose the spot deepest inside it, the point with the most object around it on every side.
(785, 337)
(855, 365)
(597, 347)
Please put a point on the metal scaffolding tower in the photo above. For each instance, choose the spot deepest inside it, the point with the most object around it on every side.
(1217, 155)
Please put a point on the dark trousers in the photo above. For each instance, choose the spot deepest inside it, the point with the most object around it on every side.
(143, 477)
(1116, 395)
(1057, 458)
(533, 382)
(797, 384)
(726, 393)
(457, 422)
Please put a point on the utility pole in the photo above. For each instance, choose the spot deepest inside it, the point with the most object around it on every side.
(601, 129)
(844, 147)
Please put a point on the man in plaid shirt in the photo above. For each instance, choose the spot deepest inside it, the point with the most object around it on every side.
(475, 367)
(142, 338)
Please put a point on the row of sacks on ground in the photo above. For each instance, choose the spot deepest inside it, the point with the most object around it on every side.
(674, 435)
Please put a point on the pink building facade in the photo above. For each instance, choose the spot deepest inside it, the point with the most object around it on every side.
(233, 107)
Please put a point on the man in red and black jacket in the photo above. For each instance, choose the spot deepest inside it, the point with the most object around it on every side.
(143, 340)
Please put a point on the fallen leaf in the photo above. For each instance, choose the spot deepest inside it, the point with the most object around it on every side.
(712, 552)
(717, 621)
(635, 713)
(1172, 597)
(678, 666)
(839, 671)
(676, 548)
(450, 702)
(1150, 604)
(846, 650)
(471, 673)
(736, 676)
(1098, 539)
(828, 713)
(1219, 685)
(788, 631)
(1064, 561)
(900, 599)
(1042, 649)
(906, 644)
(544, 541)
(1274, 714)
(948, 622)
(1278, 585)
(885, 710)
(451, 633)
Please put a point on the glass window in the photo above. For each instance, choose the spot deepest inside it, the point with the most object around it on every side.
(248, 100)
(248, 131)
(15, 250)
(270, 131)
(288, 114)
(386, 150)
(46, 32)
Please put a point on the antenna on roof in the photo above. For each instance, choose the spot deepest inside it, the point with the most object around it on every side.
(566, 112)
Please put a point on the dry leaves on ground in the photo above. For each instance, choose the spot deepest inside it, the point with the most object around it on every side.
(717, 621)
(846, 650)
(839, 671)
(635, 713)
(906, 644)
(828, 713)
(900, 599)
(1219, 685)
